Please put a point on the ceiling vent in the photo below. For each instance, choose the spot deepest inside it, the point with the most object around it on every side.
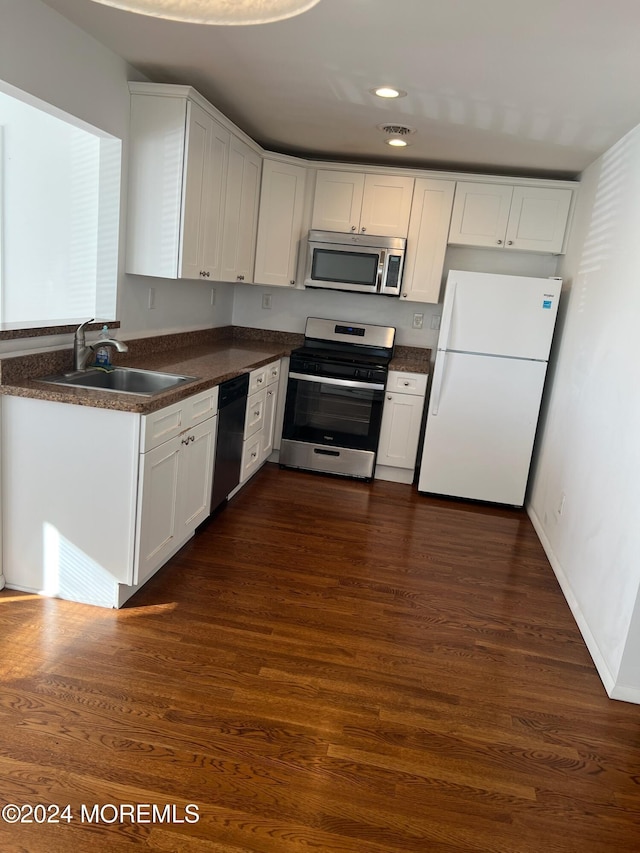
(396, 129)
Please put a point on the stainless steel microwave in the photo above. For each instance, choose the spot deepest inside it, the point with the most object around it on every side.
(361, 263)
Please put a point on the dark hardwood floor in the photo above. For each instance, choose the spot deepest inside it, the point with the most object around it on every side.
(327, 666)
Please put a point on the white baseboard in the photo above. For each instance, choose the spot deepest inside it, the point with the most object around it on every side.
(394, 475)
(606, 676)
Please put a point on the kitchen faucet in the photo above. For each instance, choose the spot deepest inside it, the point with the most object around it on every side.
(82, 353)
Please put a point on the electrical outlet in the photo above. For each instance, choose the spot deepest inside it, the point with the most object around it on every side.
(266, 300)
(435, 322)
(213, 296)
(418, 320)
(152, 298)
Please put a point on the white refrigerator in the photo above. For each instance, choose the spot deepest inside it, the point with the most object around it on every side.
(490, 367)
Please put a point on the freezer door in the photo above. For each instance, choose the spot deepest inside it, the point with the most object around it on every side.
(507, 315)
(481, 426)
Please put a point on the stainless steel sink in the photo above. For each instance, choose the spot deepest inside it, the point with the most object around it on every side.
(122, 380)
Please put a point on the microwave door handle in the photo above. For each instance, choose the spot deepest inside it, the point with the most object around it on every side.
(382, 264)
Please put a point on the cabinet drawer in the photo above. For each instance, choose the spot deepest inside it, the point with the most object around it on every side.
(251, 456)
(407, 383)
(254, 419)
(273, 372)
(257, 379)
(200, 407)
(166, 423)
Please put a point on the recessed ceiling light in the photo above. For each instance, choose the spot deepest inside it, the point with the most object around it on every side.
(396, 142)
(388, 92)
(215, 11)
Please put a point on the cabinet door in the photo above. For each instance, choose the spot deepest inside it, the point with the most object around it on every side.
(158, 525)
(196, 474)
(196, 169)
(538, 219)
(268, 430)
(212, 220)
(480, 214)
(279, 223)
(400, 430)
(241, 212)
(427, 240)
(386, 205)
(338, 201)
(155, 192)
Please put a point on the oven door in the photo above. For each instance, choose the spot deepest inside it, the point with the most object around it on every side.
(332, 425)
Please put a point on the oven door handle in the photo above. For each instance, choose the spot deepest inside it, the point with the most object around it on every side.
(344, 383)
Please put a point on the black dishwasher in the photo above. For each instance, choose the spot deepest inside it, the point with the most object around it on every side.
(232, 404)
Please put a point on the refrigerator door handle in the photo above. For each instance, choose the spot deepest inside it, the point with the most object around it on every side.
(447, 315)
(438, 376)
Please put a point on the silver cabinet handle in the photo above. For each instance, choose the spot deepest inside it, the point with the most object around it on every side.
(353, 227)
(499, 242)
(509, 242)
(239, 278)
(389, 397)
(363, 230)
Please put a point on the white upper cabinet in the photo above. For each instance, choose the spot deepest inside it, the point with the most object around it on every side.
(527, 218)
(279, 223)
(241, 212)
(205, 169)
(362, 203)
(193, 189)
(177, 173)
(427, 240)
(538, 219)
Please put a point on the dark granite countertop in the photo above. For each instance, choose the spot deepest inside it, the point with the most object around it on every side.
(213, 356)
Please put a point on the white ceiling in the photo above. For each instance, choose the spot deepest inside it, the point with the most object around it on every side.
(516, 86)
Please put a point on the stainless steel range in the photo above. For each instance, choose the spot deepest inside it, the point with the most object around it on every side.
(335, 395)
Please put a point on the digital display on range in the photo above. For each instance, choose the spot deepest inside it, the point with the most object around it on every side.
(349, 330)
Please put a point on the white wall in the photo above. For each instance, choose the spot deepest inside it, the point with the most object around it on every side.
(46, 56)
(290, 308)
(589, 445)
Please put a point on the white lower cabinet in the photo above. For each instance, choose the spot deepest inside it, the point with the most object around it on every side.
(174, 495)
(96, 500)
(268, 429)
(259, 428)
(401, 424)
